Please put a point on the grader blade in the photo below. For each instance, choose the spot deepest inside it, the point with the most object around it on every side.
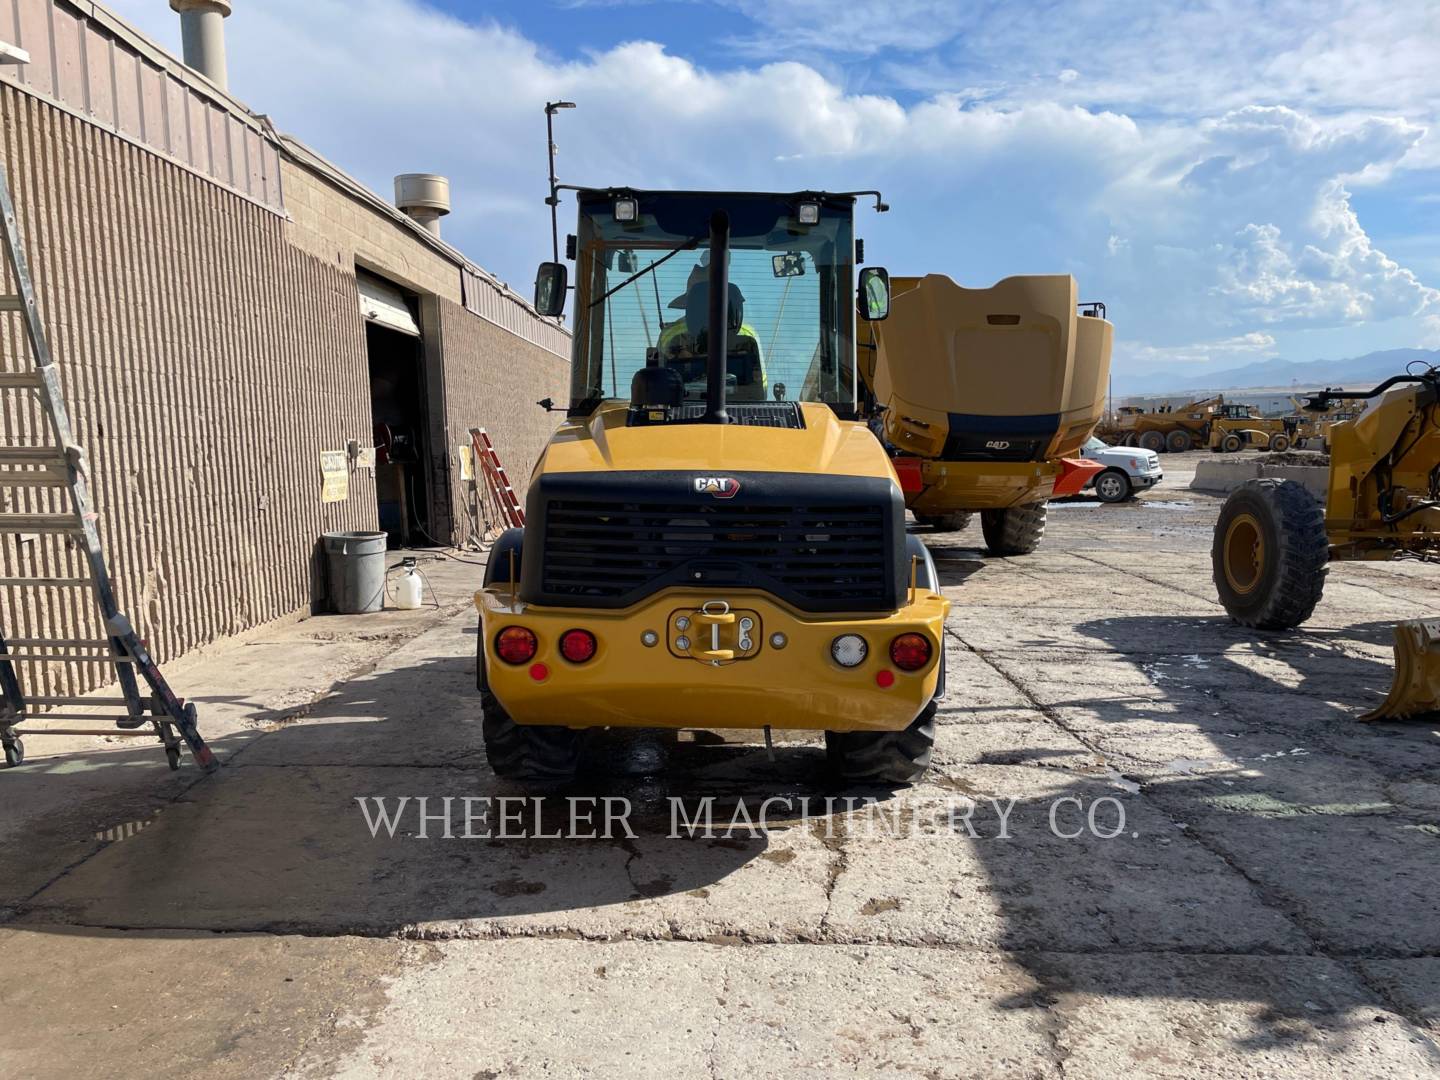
(1416, 689)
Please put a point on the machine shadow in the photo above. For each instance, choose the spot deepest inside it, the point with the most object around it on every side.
(355, 820)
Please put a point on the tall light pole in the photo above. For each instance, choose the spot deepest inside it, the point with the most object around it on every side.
(551, 108)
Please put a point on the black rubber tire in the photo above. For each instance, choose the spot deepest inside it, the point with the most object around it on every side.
(1179, 441)
(946, 522)
(15, 754)
(1231, 444)
(1126, 439)
(1113, 486)
(1016, 530)
(1152, 440)
(886, 757)
(1289, 524)
(172, 755)
(1279, 442)
(530, 755)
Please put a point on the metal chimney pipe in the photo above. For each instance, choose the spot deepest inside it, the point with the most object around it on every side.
(424, 197)
(202, 30)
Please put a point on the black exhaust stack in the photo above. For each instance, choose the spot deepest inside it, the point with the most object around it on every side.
(718, 331)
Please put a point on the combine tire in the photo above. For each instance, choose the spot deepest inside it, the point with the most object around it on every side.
(1231, 443)
(538, 757)
(1178, 442)
(1014, 531)
(946, 522)
(1270, 554)
(1152, 440)
(1112, 486)
(1279, 443)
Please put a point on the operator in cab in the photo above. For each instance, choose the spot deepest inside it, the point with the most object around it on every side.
(682, 343)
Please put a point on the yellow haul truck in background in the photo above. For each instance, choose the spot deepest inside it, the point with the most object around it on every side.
(713, 538)
(1173, 428)
(985, 396)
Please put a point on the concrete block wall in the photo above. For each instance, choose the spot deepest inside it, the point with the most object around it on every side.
(206, 363)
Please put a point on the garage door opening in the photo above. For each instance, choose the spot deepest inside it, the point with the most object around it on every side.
(398, 409)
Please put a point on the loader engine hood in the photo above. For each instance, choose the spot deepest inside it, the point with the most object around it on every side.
(811, 515)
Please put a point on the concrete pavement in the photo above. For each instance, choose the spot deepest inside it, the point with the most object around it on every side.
(1269, 903)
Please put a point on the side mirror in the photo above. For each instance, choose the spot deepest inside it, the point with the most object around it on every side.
(873, 303)
(788, 264)
(551, 282)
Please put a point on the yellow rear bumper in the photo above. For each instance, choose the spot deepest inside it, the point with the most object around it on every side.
(951, 486)
(630, 684)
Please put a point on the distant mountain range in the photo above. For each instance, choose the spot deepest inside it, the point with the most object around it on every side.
(1358, 372)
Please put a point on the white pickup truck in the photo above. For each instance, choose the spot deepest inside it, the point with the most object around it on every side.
(1127, 470)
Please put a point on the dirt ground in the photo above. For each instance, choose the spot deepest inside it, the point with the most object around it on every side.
(1185, 857)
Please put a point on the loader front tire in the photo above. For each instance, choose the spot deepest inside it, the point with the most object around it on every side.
(1270, 554)
(1015, 530)
(946, 522)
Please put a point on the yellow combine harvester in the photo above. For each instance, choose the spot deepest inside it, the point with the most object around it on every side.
(984, 395)
(1274, 540)
(713, 538)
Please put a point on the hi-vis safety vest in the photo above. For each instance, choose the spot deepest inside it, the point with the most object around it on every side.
(676, 330)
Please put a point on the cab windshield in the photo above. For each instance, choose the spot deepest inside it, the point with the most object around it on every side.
(642, 296)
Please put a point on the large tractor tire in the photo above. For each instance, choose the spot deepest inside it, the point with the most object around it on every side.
(1270, 554)
(538, 757)
(1279, 442)
(1113, 486)
(1152, 440)
(946, 522)
(1014, 531)
(1179, 441)
(1231, 443)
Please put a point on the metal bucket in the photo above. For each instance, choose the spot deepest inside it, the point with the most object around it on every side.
(356, 562)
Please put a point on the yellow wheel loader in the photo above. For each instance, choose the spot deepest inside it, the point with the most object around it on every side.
(713, 538)
(1274, 540)
(984, 398)
(1238, 427)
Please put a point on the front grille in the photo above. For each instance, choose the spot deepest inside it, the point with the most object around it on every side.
(818, 557)
(778, 414)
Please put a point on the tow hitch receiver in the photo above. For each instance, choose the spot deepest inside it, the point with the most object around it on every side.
(714, 633)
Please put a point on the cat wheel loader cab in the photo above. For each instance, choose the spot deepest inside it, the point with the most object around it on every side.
(712, 540)
(1274, 540)
(985, 397)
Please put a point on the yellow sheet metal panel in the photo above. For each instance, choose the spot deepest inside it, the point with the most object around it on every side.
(826, 444)
(629, 684)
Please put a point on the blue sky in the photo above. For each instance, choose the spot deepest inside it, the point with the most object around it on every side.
(1236, 180)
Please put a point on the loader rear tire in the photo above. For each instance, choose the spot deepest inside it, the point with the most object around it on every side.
(886, 757)
(946, 522)
(1270, 554)
(1016, 530)
(1152, 440)
(533, 756)
(1178, 442)
(1231, 444)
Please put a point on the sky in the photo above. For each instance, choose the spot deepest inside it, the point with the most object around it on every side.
(1237, 181)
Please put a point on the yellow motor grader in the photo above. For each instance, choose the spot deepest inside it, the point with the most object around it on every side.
(984, 397)
(1274, 540)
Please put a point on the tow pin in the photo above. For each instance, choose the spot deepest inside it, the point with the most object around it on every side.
(769, 746)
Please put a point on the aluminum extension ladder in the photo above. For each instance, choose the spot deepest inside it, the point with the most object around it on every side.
(60, 467)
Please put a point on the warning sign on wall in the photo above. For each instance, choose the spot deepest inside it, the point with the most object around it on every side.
(467, 461)
(335, 476)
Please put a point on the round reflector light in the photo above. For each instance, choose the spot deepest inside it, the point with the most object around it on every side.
(515, 645)
(910, 652)
(849, 650)
(577, 646)
(884, 678)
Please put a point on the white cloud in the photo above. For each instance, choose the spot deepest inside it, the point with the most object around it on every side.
(1218, 229)
(1254, 345)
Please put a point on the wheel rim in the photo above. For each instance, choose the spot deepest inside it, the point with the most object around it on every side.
(1109, 487)
(1244, 553)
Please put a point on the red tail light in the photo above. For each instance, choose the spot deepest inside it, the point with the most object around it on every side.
(910, 652)
(577, 646)
(516, 645)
